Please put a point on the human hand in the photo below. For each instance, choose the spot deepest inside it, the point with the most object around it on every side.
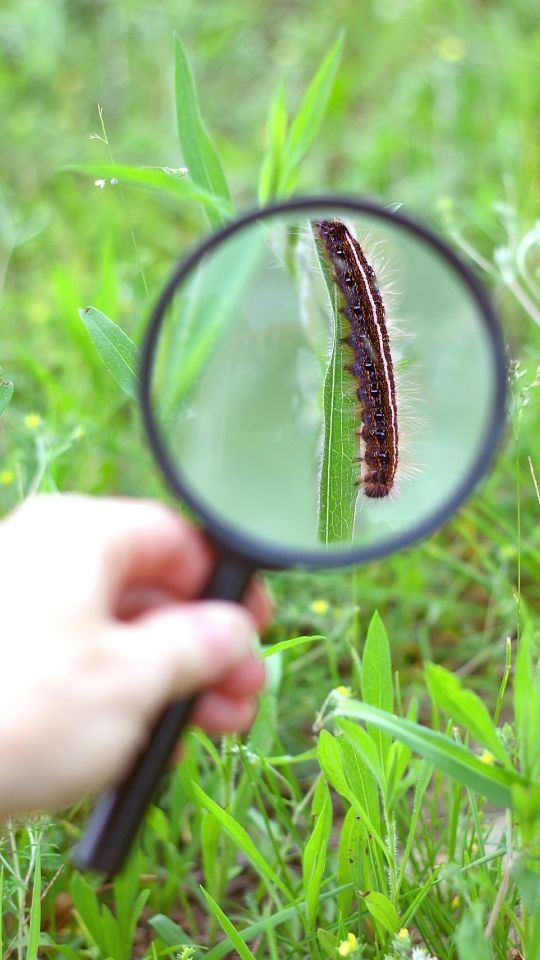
(98, 634)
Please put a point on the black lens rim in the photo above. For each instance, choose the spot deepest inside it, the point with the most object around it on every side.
(234, 542)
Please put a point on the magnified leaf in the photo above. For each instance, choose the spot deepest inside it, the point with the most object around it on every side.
(339, 472)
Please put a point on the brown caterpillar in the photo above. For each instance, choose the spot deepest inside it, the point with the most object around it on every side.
(372, 366)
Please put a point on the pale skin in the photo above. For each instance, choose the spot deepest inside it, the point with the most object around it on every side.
(100, 629)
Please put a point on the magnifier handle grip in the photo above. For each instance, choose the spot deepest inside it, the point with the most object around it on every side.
(119, 811)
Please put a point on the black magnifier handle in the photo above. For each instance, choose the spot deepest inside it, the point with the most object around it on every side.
(119, 811)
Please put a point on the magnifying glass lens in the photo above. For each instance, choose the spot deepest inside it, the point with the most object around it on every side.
(323, 379)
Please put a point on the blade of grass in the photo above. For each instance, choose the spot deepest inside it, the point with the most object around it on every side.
(276, 135)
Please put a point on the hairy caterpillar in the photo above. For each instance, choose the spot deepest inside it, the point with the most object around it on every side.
(372, 366)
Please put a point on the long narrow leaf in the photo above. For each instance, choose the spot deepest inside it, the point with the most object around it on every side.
(199, 153)
(161, 179)
(228, 928)
(315, 851)
(6, 393)
(492, 782)
(310, 115)
(35, 911)
(241, 838)
(337, 486)
(465, 708)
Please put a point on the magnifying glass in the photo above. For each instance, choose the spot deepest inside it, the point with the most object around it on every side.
(322, 383)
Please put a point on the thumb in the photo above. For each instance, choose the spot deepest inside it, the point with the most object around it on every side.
(171, 652)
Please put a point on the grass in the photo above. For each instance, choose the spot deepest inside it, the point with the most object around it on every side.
(422, 835)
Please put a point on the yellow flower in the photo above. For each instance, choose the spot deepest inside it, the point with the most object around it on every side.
(344, 691)
(347, 946)
(32, 421)
(320, 606)
(451, 49)
(6, 477)
(455, 901)
(487, 757)
(403, 934)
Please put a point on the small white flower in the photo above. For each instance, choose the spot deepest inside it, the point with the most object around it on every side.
(114, 181)
(99, 183)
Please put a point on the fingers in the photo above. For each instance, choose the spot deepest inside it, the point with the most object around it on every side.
(219, 714)
(172, 652)
(138, 599)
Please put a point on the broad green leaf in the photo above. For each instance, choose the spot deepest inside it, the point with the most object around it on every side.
(35, 911)
(465, 708)
(241, 838)
(228, 928)
(6, 393)
(309, 117)
(338, 489)
(198, 151)
(315, 851)
(161, 179)
(377, 678)
(366, 748)
(117, 351)
(276, 134)
(470, 939)
(360, 790)
(168, 931)
(382, 911)
(289, 644)
(328, 942)
(492, 782)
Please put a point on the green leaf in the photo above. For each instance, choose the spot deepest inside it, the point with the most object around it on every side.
(35, 911)
(88, 910)
(527, 704)
(465, 708)
(168, 931)
(310, 115)
(470, 939)
(276, 134)
(338, 489)
(495, 783)
(199, 153)
(118, 353)
(241, 838)
(6, 393)
(228, 928)
(160, 179)
(328, 942)
(289, 644)
(315, 851)
(382, 911)
(377, 678)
